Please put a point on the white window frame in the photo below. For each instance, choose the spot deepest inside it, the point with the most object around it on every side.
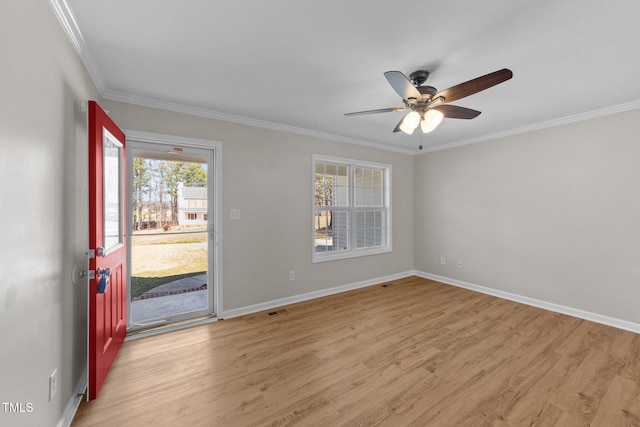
(353, 251)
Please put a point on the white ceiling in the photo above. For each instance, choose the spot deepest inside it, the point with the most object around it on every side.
(299, 65)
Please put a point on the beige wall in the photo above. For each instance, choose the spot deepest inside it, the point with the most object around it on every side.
(43, 86)
(267, 174)
(43, 170)
(552, 215)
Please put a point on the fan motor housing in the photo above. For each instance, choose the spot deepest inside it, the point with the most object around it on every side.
(427, 90)
(419, 77)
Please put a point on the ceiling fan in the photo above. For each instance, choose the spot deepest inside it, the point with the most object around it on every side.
(427, 105)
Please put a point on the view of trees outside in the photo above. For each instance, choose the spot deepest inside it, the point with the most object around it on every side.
(162, 252)
(331, 217)
(323, 197)
(155, 190)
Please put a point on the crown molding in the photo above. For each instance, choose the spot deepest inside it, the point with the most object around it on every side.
(634, 105)
(212, 114)
(70, 27)
(68, 21)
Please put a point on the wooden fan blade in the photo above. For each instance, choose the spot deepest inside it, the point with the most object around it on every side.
(455, 112)
(397, 128)
(474, 86)
(381, 110)
(402, 85)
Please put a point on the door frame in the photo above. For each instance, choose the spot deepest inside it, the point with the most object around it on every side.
(214, 190)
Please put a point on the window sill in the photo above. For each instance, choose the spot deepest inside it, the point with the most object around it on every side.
(329, 256)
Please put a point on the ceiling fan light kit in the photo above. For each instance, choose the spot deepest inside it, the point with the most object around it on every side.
(428, 121)
(410, 122)
(428, 106)
(431, 120)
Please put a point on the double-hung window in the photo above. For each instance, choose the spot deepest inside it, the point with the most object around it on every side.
(351, 208)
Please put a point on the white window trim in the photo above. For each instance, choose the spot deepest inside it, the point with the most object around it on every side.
(353, 252)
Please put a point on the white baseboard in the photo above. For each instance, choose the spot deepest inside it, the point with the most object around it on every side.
(74, 402)
(570, 311)
(574, 312)
(236, 312)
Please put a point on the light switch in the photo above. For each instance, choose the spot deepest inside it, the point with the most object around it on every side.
(234, 213)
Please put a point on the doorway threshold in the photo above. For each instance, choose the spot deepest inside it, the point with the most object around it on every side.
(157, 328)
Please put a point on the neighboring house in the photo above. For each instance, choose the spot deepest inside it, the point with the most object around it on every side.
(192, 205)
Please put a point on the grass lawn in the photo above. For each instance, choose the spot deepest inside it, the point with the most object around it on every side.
(158, 258)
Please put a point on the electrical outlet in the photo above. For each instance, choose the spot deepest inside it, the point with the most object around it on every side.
(292, 275)
(53, 384)
(460, 265)
(443, 260)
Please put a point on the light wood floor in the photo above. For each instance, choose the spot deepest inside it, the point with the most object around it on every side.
(407, 352)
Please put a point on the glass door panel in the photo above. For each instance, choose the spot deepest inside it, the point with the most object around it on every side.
(171, 255)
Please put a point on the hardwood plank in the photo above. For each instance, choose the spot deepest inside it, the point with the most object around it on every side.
(406, 352)
(621, 404)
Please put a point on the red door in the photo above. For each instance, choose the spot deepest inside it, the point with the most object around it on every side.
(107, 254)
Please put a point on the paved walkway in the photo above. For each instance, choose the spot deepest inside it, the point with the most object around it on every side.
(188, 284)
(179, 296)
